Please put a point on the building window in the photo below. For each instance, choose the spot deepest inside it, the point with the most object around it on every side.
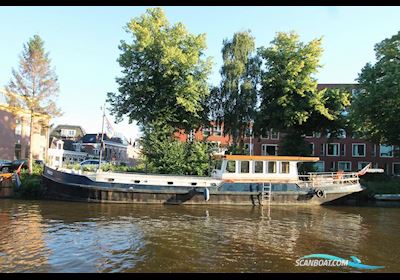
(206, 132)
(244, 167)
(344, 165)
(319, 166)
(358, 150)
(264, 133)
(271, 167)
(284, 167)
(27, 151)
(217, 130)
(373, 151)
(248, 148)
(269, 149)
(332, 149)
(332, 166)
(361, 164)
(341, 134)
(274, 135)
(309, 135)
(322, 152)
(258, 167)
(18, 127)
(311, 147)
(231, 166)
(17, 151)
(68, 132)
(385, 151)
(396, 168)
(191, 135)
(343, 149)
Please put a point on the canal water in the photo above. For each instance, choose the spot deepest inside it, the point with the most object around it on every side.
(52, 236)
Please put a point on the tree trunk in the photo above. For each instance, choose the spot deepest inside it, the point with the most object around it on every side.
(30, 145)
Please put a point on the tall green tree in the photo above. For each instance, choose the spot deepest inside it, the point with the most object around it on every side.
(238, 91)
(164, 74)
(34, 86)
(289, 98)
(166, 155)
(375, 109)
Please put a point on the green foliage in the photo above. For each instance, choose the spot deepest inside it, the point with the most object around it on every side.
(376, 108)
(164, 74)
(290, 100)
(294, 145)
(34, 86)
(382, 186)
(166, 155)
(235, 150)
(237, 96)
(31, 184)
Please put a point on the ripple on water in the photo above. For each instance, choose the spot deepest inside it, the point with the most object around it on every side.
(78, 237)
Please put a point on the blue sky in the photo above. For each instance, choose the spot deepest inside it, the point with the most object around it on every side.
(83, 44)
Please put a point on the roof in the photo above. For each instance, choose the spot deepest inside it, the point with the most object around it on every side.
(274, 158)
(92, 138)
(56, 131)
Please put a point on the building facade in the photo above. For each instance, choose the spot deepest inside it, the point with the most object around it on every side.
(346, 152)
(15, 131)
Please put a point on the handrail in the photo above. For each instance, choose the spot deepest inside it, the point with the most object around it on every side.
(321, 179)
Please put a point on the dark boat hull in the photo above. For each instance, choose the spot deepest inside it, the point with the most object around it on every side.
(88, 192)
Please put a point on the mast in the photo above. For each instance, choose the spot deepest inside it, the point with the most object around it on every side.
(102, 136)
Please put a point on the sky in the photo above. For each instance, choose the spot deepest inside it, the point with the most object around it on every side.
(83, 44)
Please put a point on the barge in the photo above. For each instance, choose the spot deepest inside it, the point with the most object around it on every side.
(238, 180)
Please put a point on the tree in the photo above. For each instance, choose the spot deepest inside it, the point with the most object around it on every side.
(164, 74)
(237, 96)
(375, 108)
(165, 154)
(34, 86)
(289, 98)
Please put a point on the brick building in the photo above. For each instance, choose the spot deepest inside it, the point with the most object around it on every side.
(15, 130)
(345, 152)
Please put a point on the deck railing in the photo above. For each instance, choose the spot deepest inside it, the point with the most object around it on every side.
(322, 179)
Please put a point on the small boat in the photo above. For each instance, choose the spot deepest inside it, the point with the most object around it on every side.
(387, 197)
(6, 185)
(237, 179)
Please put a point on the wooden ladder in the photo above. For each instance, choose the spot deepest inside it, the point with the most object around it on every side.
(266, 193)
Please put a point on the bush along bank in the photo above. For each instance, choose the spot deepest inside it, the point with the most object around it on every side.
(376, 184)
(31, 184)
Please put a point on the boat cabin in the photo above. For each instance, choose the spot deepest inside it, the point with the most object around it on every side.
(271, 168)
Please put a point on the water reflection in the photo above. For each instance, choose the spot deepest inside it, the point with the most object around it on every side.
(53, 236)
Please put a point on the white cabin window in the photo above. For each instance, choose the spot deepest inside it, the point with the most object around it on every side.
(285, 167)
(358, 150)
(231, 166)
(244, 167)
(258, 167)
(218, 165)
(271, 167)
